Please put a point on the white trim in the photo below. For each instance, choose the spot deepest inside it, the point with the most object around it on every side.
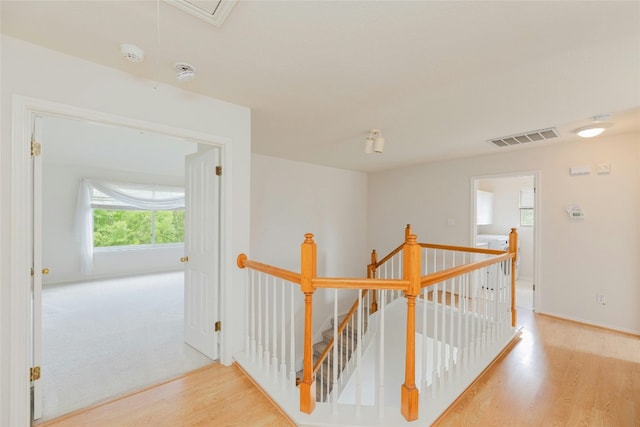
(591, 323)
(536, 222)
(19, 346)
(23, 111)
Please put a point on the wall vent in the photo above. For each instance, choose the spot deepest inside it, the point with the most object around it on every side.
(212, 11)
(524, 138)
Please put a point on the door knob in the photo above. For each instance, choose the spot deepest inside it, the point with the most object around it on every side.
(184, 259)
(45, 271)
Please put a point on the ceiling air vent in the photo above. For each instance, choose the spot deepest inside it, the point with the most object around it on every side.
(525, 138)
(212, 11)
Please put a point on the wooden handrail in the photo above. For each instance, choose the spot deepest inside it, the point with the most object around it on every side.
(341, 329)
(462, 249)
(410, 284)
(356, 283)
(389, 256)
(449, 273)
(281, 273)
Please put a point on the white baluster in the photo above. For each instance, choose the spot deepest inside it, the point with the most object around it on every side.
(435, 375)
(359, 356)
(274, 332)
(424, 341)
(292, 339)
(334, 376)
(443, 333)
(253, 316)
(283, 334)
(247, 311)
(260, 321)
(452, 299)
(267, 314)
(381, 400)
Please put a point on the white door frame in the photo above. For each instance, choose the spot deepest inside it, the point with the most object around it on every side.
(24, 109)
(536, 223)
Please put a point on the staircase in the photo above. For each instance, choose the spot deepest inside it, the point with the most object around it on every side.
(347, 344)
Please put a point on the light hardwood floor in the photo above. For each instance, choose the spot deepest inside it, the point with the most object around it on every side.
(215, 395)
(559, 373)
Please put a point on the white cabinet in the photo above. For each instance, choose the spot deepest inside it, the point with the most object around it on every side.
(484, 207)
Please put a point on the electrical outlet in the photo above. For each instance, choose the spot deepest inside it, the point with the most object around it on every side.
(600, 299)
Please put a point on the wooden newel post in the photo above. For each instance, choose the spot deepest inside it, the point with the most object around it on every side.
(411, 267)
(308, 270)
(513, 248)
(371, 274)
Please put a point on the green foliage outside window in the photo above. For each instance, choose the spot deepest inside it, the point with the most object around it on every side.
(135, 227)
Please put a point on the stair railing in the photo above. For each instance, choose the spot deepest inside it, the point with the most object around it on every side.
(406, 277)
(340, 347)
(309, 282)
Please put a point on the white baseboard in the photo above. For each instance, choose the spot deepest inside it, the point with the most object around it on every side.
(591, 323)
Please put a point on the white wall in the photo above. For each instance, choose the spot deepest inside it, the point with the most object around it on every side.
(60, 247)
(36, 72)
(578, 259)
(506, 214)
(289, 199)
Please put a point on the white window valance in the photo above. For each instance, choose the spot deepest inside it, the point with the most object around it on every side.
(95, 194)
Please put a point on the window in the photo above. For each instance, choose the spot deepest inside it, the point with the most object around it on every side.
(526, 207)
(121, 222)
(137, 227)
(122, 214)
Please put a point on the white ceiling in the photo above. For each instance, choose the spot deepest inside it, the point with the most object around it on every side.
(438, 78)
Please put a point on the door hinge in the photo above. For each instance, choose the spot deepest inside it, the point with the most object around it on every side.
(219, 170)
(36, 148)
(534, 286)
(32, 272)
(34, 373)
(218, 326)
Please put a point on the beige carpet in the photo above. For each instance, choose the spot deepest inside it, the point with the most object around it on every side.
(105, 338)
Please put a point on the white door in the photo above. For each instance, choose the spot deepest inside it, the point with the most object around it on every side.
(202, 251)
(36, 284)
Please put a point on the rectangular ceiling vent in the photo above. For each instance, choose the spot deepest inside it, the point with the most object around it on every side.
(212, 11)
(525, 138)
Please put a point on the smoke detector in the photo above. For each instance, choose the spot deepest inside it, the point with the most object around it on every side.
(186, 72)
(132, 53)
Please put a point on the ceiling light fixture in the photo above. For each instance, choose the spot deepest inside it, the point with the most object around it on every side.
(374, 142)
(598, 126)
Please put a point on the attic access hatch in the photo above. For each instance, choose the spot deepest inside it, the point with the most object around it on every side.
(524, 138)
(212, 11)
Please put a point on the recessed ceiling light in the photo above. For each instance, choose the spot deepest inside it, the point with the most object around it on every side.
(598, 126)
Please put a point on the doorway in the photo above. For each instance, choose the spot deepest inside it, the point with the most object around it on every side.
(103, 316)
(501, 203)
(24, 294)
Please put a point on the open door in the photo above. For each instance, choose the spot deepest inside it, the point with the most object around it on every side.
(37, 270)
(202, 247)
(511, 204)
